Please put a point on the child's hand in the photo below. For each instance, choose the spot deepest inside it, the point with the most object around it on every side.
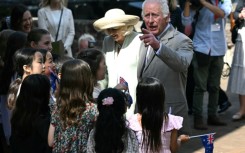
(121, 86)
(184, 138)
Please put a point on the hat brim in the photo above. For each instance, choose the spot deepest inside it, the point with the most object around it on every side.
(106, 23)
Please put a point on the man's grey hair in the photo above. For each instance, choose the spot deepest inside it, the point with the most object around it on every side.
(163, 5)
(86, 36)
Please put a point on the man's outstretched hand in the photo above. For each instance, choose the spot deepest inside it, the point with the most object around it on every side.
(149, 39)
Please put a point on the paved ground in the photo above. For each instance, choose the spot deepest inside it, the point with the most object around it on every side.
(228, 139)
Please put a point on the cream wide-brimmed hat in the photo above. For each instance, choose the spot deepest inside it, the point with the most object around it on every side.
(115, 18)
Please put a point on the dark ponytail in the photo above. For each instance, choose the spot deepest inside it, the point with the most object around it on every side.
(12, 93)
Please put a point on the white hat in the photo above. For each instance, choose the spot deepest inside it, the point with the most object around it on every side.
(115, 18)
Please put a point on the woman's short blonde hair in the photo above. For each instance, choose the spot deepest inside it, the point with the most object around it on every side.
(45, 3)
(172, 5)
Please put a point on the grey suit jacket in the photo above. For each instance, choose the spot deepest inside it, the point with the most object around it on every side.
(170, 65)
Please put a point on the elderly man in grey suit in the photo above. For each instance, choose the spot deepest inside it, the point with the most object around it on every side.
(165, 54)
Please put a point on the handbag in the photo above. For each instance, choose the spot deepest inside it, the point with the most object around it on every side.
(235, 25)
(58, 46)
(234, 33)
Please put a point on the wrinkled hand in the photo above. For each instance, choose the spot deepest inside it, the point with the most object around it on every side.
(121, 87)
(149, 39)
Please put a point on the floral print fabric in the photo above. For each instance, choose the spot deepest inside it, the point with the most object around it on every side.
(73, 139)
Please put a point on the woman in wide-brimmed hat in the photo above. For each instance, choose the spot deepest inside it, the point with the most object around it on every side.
(121, 48)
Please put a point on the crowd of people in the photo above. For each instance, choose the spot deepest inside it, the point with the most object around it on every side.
(135, 94)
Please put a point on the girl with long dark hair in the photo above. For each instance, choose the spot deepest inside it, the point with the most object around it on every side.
(156, 130)
(31, 116)
(111, 133)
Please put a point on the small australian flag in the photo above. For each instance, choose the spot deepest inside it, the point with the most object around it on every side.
(208, 142)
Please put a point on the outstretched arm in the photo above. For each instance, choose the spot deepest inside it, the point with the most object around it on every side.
(213, 8)
(173, 142)
(51, 135)
(178, 59)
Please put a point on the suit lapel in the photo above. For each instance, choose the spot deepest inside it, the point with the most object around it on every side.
(49, 17)
(150, 58)
(142, 55)
(164, 39)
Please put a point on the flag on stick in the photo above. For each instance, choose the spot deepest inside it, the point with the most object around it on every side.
(208, 142)
(127, 94)
(122, 81)
(53, 79)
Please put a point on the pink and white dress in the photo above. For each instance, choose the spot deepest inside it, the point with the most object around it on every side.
(174, 122)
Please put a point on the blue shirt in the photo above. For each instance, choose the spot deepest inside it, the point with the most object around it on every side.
(205, 40)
